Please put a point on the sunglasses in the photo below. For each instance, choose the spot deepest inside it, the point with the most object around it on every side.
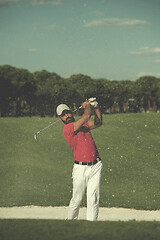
(65, 112)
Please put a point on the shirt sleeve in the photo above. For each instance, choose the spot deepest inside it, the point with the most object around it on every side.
(86, 125)
(68, 130)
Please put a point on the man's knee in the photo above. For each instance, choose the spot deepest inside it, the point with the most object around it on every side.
(93, 199)
(76, 201)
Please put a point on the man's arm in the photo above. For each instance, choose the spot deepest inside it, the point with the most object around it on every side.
(85, 117)
(97, 122)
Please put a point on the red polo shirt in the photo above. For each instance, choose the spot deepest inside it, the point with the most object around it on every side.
(81, 142)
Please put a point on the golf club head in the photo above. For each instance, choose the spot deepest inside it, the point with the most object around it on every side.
(35, 136)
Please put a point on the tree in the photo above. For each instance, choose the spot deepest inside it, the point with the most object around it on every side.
(5, 96)
(147, 92)
(15, 79)
(7, 89)
(125, 93)
(27, 93)
(82, 84)
(23, 93)
(51, 90)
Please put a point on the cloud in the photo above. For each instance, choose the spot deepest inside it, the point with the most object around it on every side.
(53, 2)
(157, 61)
(146, 51)
(4, 3)
(105, 22)
(52, 27)
(32, 50)
(142, 74)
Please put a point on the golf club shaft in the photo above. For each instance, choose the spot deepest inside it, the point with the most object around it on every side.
(47, 127)
(35, 135)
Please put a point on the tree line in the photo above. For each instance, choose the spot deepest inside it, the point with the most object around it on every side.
(23, 93)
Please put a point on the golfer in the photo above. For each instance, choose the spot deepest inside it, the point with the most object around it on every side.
(87, 166)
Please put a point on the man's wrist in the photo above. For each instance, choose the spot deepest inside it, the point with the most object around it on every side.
(97, 107)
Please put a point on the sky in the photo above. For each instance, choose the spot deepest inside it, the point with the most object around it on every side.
(111, 39)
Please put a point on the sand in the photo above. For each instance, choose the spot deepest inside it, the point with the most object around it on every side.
(105, 214)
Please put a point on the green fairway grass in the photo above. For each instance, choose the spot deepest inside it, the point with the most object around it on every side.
(79, 230)
(39, 172)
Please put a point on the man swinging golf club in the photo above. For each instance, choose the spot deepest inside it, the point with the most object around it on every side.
(87, 166)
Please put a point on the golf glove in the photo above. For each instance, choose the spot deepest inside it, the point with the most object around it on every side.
(93, 102)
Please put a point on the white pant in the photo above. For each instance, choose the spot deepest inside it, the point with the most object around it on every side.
(86, 177)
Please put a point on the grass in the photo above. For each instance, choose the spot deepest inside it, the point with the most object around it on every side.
(79, 230)
(129, 145)
(39, 172)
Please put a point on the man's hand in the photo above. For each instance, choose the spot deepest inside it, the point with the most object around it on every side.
(93, 102)
(84, 118)
(97, 122)
(85, 104)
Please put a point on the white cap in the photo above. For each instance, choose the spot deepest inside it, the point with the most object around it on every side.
(61, 108)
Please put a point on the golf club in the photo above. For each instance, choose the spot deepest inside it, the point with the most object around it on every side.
(36, 134)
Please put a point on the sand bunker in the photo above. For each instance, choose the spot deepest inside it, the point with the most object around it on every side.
(105, 214)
